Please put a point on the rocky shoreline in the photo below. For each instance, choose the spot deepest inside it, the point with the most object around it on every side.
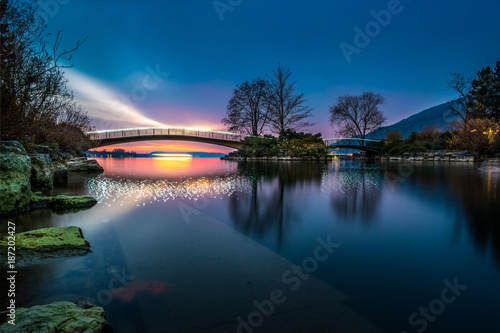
(23, 178)
(438, 156)
(24, 175)
(276, 158)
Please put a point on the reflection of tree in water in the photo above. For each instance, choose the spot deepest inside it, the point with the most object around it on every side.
(268, 205)
(479, 193)
(354, 189)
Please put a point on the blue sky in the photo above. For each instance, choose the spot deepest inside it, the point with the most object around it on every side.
(408, 61)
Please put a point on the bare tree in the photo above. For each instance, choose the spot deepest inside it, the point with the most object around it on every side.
(32, 84)
(287, 110)
(462, 105)
(247, 110)
(356, 116)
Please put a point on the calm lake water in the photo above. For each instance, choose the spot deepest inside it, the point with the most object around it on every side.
(186, 245)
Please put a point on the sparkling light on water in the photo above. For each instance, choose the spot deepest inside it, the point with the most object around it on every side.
(116, 190)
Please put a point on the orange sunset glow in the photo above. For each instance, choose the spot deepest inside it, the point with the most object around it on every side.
(167, 146)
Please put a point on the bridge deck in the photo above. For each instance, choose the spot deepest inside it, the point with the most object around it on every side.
(111, 137)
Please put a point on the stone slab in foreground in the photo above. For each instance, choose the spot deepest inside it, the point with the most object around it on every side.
(48, 243)
(56, 317)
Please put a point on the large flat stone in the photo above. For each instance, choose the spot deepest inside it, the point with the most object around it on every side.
(48, 243)
(57, 317)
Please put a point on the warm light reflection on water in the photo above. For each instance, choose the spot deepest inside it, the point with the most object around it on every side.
(169, 167)
(172, 156)
(119, 191)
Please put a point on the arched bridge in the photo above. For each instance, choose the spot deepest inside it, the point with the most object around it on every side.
(226, 139)
(112, 137)
(368, 145)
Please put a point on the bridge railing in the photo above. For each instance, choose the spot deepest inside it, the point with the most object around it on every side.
(367, 143)
(160, 131)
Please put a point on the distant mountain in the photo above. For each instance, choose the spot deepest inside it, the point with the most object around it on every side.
(439, 115)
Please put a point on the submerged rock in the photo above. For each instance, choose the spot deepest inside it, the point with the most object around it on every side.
(62, 202)
(48, 243)
(15, 170)
(84, 165)
(57, 317)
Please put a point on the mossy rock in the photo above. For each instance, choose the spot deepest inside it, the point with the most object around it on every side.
(47, 243)
(57, 317)
(14, 147)
(15, 186)
(62, 202)
(67, 236)
(42, 171)
(60, 172)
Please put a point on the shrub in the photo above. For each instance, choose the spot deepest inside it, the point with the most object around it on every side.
(481, 136)
(257, 146)
(393, 136)
(292, 144)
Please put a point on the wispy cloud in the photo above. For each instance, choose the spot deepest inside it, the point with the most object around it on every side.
(104, 104)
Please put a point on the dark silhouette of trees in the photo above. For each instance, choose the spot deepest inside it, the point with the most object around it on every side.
(35, 105)
(478, 105)
(356, 116)
(287, 110)
(270, 104)
(484, 93)
(247, 111)
(478, 97)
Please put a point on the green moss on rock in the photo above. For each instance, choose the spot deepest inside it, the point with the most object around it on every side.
(47, 243)
(42, 171)
(15, 187)
(68, 236)
(14, 147)
(62, 202)
(57, 317)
